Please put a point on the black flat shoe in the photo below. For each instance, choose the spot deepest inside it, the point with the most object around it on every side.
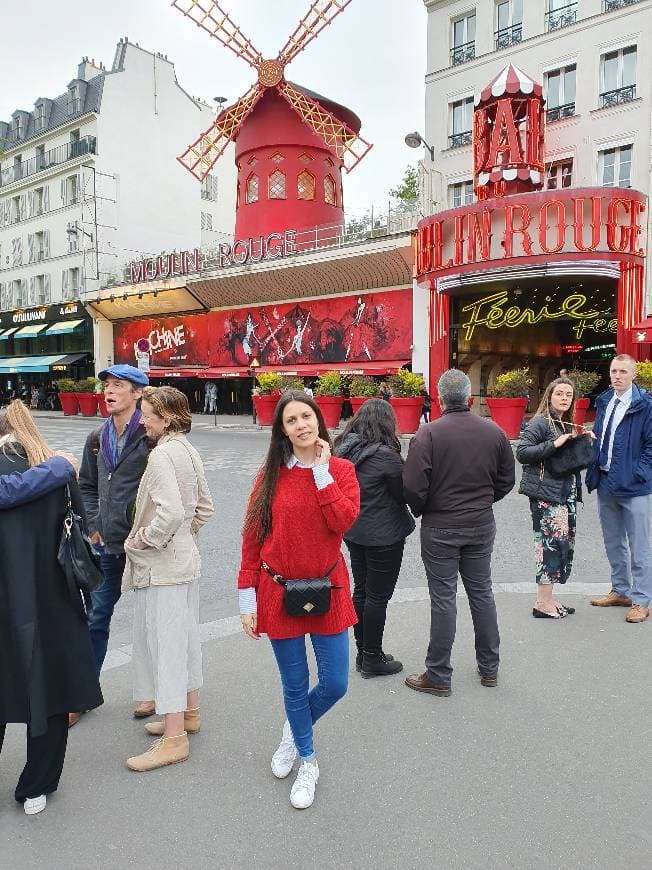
(562, 610)
(541, 614)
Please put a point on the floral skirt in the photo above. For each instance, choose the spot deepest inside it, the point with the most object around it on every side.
(554, 539)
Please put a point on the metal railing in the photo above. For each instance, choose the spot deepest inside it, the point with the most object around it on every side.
(509, 36)
(557, 113)
(54, 157)
(462, 53)
(459, 140)
(619, 95)
(562, 17)
(610, 5)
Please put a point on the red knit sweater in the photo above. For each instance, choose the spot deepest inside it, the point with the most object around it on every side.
(305, 541)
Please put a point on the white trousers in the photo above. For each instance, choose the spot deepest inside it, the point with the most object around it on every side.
(166, 655)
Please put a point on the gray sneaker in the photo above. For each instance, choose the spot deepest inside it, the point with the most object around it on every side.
(286, 754)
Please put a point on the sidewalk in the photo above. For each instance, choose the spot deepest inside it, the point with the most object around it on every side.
(205, 421)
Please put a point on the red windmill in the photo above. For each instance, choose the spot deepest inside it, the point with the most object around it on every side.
(291, 143)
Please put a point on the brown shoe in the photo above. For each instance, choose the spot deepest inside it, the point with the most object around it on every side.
(638, 613)
(73, 719)
(613, 599)
(191, 722)
(166, 750)
(489, 680)
(142, 711)
(421, 683)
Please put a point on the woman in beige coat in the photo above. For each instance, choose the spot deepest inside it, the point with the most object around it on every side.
(163, 567)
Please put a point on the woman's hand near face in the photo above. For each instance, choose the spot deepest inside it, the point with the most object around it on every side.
(322, 452)
(250, 623)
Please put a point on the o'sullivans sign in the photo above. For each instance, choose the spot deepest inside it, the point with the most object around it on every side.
(581, 223)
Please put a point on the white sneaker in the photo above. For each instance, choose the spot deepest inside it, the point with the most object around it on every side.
(32, 806)
(303, 790)
(286, 754)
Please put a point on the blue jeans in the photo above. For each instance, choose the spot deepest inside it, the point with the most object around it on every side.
(626, 531)
(303, 708)
(103, 601)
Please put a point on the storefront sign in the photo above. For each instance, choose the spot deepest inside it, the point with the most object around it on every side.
(32, 316)
(165, 266)
(43, 314)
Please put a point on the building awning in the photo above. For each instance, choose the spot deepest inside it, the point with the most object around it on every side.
(26, 364)
(641, 333)
(388, 367)
(30, 331)
(63, 327)
(5, 334)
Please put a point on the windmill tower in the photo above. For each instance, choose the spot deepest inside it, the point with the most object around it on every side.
(291, 143)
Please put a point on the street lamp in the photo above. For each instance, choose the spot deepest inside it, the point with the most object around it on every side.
(416, 140)
(254, 363)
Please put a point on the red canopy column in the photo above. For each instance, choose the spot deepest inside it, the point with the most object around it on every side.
(630, 308)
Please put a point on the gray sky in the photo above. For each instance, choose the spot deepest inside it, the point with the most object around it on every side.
(372, 59)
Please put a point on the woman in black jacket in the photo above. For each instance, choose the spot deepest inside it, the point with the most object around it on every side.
(553, 500)
(377, 538)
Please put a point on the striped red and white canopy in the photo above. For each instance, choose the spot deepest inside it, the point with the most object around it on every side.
(511, 81)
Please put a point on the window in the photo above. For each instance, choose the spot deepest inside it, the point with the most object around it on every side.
(19, 167)
(559, 174)
(461, 119)
(38, 205)
(330, 191)
(40, 157)
(70, 284)
(305, 186)
(615, 167)
(463, 39)
(560, 93)
(74, 103)
(277, 158)
(20, 293)
(17, 128)
(329, 162)
(252, 161)
(70, 190)
(209, 188)
(206, 221)
(17, 251)
(305, 158)
(561, 13)
(509, 23)
(460, 193)
(39, 117)
(6, 296)
(618, 76)
(38, 246)
(252, 188)
(277, 185)
(16, 210)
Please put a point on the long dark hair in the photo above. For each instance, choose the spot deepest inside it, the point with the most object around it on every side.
(375, 423)
(258, 518)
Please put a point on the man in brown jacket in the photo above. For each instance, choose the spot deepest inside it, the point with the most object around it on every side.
(456, 468)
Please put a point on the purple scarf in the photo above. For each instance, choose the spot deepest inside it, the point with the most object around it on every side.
(109, 439)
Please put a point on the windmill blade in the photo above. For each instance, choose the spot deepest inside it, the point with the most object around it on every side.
(319, 16)
(346, 143)
(200, 157)
(209, 15)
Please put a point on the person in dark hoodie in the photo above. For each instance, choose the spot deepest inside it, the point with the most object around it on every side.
(377, 538)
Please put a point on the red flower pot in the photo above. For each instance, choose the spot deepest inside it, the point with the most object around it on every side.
(331, 408)
(69, 404)
(508, 414)
(581, 410)
(435, 409)
(265, 407)
(87, 404)
(357, 402)
(101, 404)
(408, 413)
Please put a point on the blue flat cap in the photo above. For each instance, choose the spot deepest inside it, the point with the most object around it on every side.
(126, 373)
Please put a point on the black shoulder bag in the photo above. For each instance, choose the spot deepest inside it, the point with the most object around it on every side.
(79, 561)
(310, 597)
(573, 456)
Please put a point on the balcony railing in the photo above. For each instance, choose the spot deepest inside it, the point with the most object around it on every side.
(620, 95)
(462, 53)
(509, 36)
(54, 157)
(562, 17)
(556, 113)
(459, 140)
(610, 5)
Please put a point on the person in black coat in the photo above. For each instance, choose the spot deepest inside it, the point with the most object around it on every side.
(46, 662)
(377, 538)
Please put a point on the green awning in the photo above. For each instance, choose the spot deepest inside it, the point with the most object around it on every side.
(30, 331)
(8, 332)
(63, 327)
(16, 365)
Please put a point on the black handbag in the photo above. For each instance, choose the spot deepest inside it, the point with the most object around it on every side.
(309, 597)
(79, 561)
(575, 455)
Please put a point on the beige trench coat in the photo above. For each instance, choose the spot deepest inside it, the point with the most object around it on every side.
(172, 504)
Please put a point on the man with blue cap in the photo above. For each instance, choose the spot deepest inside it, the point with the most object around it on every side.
(113, 463)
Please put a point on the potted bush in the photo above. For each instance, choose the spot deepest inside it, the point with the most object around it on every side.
(407, 399)
(87, 397)
(328, 395)
(644, 375)
(291, 382)
(508, 400)
(101, 401)
(584, 382)
(361, 388)
(266, 395)
(68, 396)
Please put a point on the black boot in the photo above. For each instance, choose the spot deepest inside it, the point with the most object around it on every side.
(358, 659)
(378, 665)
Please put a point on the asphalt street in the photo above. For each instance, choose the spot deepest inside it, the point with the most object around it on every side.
(550, 770)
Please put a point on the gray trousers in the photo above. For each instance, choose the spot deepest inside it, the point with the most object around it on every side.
(445, 552)
(626, 532)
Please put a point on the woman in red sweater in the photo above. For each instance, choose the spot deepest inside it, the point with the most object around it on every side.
(302, 503)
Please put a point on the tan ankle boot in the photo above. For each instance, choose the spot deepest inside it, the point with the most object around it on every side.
(166, 750)
(191, 722)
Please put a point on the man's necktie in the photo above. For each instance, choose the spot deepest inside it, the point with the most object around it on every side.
(603, 459)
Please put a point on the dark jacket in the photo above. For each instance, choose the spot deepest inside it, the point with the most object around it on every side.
(17, 488)
(537, 443)
(456, 468)
(110, 498)
(630, 472)
(47, 665)
(384, 519)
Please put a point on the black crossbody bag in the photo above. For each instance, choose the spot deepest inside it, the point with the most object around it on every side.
(79, 561)
(575, 455)
(309, 597)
